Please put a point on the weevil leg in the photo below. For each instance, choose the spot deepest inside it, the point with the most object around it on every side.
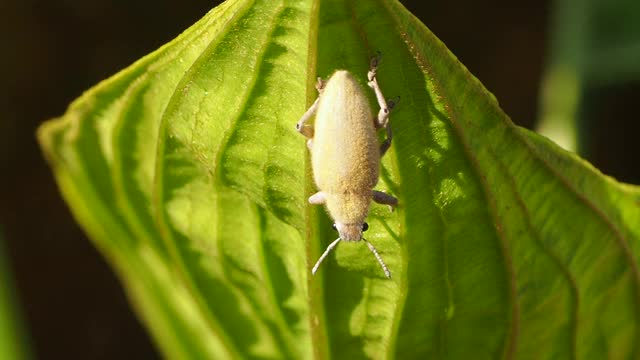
(385, 107)
(386, 144)
(318, 198)
(385, 199)
(300, 126)
(307, 131)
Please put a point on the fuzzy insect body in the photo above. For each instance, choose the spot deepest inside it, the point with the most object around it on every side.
(345, 154)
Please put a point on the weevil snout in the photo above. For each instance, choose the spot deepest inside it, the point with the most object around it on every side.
(351, 232)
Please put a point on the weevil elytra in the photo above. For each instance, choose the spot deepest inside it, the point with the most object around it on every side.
(345, 154)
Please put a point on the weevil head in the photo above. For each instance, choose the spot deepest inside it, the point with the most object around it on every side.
(351, 232)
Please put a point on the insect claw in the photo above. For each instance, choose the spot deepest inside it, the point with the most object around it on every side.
(320, 84)
(375, 61)
(392, 103)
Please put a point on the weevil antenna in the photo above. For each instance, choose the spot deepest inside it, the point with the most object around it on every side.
(324, 255)
(375, 253)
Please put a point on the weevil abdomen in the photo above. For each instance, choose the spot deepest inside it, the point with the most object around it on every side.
(346, 152)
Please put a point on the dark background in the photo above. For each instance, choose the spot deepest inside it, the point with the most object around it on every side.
(71, 302)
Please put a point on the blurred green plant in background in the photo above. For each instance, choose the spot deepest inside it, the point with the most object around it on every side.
(12, 333)
(595, 45)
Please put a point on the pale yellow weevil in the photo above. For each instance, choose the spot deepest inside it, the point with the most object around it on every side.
(345, 154)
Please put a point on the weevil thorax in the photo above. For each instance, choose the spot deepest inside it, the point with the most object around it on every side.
(346, 153)
(349, 212)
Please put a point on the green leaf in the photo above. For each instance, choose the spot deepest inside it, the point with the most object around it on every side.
(188, 174)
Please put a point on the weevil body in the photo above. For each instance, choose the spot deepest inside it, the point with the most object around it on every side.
(346, 154)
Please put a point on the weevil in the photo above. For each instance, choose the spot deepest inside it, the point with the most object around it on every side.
(345, 153)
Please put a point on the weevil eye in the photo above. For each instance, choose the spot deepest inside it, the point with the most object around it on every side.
(365, 227)
(333, 226)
